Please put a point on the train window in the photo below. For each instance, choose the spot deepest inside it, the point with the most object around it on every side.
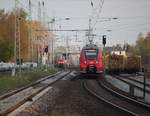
(91, 50)
(91, 54)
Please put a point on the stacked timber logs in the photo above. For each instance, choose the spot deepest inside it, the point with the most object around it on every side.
(115, 63)
(119, 63)
(133, 64)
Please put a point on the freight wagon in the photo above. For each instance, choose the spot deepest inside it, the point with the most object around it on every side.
(119, 63)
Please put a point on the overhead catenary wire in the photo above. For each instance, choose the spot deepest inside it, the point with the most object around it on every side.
(124, 26)
(132, 28)
(24, 6)
(99, 12)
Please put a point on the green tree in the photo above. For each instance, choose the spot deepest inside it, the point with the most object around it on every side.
(7, 31)
(142, 48)
(6, 50)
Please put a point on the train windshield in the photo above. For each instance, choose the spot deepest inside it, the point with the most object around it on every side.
(91, 54)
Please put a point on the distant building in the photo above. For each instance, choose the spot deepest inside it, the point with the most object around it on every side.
(119, 52)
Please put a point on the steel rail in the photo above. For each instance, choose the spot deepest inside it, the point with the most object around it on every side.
(25, 87)
(120, 109)
(126, 77)
(125, 81)
(29, 98)
(136, 102)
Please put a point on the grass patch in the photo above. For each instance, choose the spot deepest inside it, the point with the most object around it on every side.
(7, 82)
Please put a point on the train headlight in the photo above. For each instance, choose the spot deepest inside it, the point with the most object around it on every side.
(96, 62)
(85, 62)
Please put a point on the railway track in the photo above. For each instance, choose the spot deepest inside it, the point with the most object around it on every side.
(133, 78)
(25, 87)
(13, 100)
(98, 90)
(137, 84)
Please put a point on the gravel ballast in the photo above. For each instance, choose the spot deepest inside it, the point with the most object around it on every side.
(64, 98)
(38, 104)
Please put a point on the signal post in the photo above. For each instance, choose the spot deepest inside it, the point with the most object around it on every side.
(104, 43)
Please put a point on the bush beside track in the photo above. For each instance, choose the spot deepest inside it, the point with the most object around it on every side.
(8, 83)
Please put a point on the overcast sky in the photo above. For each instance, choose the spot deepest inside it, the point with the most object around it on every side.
(133, 17)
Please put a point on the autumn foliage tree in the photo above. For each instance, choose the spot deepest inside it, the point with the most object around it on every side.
(6, 35)
(7, 28)
(142, 48)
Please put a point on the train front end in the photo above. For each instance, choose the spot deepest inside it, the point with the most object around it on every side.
(91, 60)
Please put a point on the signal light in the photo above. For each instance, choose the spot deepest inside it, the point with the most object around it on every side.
(104, 40)
(19, 61)
(46, 49)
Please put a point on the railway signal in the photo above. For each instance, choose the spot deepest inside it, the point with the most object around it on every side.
(104, 43)
(46, 49)
(19, 61)
(104, 40)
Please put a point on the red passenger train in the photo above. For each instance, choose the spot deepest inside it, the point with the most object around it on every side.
(91, 61)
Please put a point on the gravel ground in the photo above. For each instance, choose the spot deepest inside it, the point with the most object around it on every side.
(72, 100)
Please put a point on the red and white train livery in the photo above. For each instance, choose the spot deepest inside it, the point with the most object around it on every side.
(91, 60)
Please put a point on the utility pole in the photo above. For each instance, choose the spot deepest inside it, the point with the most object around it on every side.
(39, 55)
(43, 34)
(30, 39)
(90, 32)
(17, 57)
(52, 52)
(76, 35)
(44, 14)
(67, 49)
(39, 12)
